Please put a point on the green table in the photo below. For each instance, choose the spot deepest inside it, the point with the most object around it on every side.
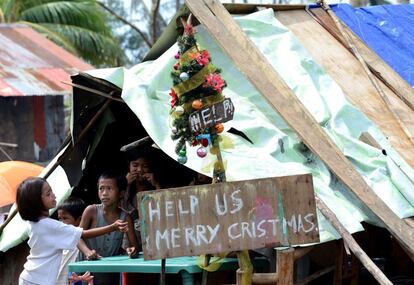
(186, 266)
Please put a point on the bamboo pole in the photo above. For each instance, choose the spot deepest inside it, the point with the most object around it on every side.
(94, 91)
(352, 244)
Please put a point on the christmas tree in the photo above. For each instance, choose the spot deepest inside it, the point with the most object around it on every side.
(196, 84)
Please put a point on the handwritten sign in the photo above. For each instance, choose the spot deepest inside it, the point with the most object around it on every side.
(226, 217)
(210, 116)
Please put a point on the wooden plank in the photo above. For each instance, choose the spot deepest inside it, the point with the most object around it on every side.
(345, 69)
(230, 216)
(249, 60)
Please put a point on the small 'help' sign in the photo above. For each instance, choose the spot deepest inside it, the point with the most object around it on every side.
(226, 217)
(209, 116)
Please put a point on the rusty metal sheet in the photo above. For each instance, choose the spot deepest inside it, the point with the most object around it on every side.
(7, 90)
(30, 64)
(228, 216)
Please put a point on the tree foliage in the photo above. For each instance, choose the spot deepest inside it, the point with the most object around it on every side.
(78, 26)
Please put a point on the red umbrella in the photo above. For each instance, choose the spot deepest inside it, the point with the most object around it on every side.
(11, 174)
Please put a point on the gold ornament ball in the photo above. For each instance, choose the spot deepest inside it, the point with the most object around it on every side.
(197, 104)
(213, 150)
(219, 128)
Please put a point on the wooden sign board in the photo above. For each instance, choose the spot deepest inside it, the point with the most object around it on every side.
(227, 217)
(210, 116)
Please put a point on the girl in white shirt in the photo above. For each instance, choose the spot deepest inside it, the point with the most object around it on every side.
(48, 237)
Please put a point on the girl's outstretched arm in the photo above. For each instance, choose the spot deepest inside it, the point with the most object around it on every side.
(90, 254)
(88, 223)
(118, 225)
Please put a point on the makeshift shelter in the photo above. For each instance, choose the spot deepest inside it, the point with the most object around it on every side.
(32, 69)
(306, 105)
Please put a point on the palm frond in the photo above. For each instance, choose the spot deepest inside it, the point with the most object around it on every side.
(53, 36)
(98, 49)
(83, 13)
(10, 9)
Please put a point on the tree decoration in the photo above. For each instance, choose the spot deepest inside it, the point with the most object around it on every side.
(196, 84)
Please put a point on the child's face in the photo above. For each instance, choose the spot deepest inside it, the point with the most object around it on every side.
(108, 191)
(140, 167)
(48, 197)
(67, 218)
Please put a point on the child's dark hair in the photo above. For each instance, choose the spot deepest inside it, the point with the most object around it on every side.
(74, 206)
(120, 179)
(29, 198)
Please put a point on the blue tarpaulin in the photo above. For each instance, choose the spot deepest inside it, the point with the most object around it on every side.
(386, 29)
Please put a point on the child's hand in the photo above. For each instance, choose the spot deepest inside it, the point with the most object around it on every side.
(120, 225)
(150, 177)
(87, 277)
(131, 177)
(92, 255)
(132, 252)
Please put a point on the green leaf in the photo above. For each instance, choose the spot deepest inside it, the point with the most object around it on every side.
(85, 14)
(97, 48)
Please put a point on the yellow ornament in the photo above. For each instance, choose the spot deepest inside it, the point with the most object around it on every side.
(218, 166)
(197, 104)
(213, 150)
(219, 128)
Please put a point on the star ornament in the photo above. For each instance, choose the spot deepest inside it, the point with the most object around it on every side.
(188, 26)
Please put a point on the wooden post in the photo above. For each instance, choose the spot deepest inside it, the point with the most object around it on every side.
(339, 261)
(162, 277)
(285, 266)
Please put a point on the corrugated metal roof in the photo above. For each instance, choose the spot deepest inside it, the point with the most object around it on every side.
(30, 64)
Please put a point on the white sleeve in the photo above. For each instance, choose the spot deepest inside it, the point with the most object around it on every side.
(65, 236)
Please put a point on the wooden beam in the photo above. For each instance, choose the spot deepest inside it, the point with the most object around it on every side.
(264, 278)
(315, 275)
(249, 60)
(353, 245)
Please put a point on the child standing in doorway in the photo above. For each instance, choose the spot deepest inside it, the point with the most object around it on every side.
(48, 237)
(110, 189)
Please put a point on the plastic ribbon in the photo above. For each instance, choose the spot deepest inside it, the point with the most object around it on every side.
(195, 80)
(204, 136)
(214, 263)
